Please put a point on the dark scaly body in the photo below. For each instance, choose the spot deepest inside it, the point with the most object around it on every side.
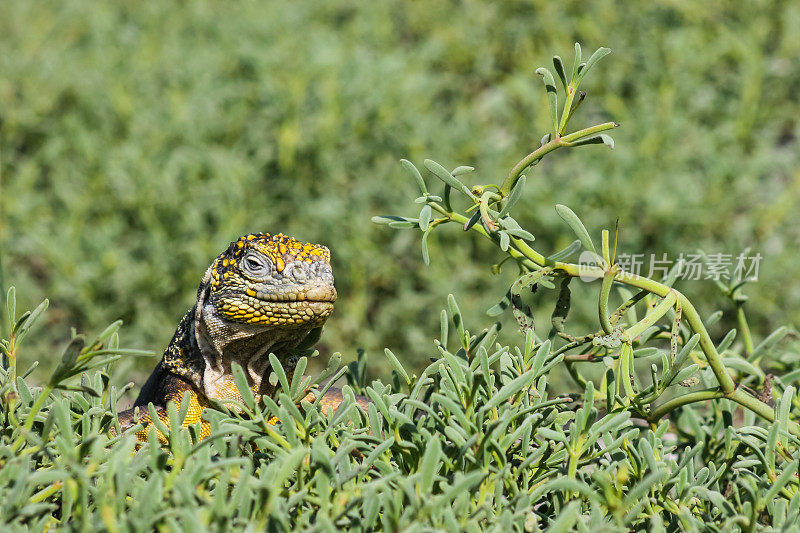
(262, 295)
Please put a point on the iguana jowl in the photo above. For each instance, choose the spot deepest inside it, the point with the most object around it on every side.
(262, 295)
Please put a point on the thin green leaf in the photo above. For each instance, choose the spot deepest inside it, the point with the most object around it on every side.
(552, 94)
(431, 463)
(426, 258)
(513, 198)
(559, 66)
(409, 166)
(572, 220)
(443, 174)
(397, 365)
(597, 139)
(599, 54)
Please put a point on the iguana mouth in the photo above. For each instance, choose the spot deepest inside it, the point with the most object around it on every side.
(301, 304)
(322, 295)
(276, 309)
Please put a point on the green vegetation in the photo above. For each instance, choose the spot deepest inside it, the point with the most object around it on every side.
(138, 140)
(475, 442)
(680, 422)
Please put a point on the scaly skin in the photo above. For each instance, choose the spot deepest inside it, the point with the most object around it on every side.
(262, 295)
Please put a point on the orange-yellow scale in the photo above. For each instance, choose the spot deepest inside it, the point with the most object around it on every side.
(198, 403)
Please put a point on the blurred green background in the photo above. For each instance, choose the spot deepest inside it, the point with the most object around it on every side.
(138, 139)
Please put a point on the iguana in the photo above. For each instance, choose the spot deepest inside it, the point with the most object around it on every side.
(262, 295)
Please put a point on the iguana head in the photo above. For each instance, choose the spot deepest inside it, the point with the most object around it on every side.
(273, 280)
(264, 294)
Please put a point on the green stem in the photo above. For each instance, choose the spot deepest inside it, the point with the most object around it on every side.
(566, 139)
(654, 316)
(516, 254)
(543, 150)
(577, 341)
(625, 364)
(738, 395)
(622, 309)
(577, 105)
(707, 345)
(744, 328)
(606, 248)
(525, 162)
(35, 408)
(12, 359)
(602, 307)
(697, 396)
(659, 289)
(572, 465)
(565, 114)
(530, 253)
(694, 321)
(575, 375)
(744, 399)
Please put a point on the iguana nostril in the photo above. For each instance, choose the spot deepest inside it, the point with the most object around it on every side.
(298, 271)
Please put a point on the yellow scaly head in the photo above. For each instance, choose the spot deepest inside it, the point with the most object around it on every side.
(273, 280)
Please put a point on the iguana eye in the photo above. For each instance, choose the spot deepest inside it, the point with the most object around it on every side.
(255, 266)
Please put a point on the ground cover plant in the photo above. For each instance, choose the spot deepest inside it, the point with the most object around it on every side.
(137, 139)
(676, 431)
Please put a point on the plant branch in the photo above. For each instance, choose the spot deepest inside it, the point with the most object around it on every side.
(738, 395)
(525, 162)
(679, 401)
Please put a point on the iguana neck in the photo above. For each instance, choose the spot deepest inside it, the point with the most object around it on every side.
(204, 347)
(182, 356)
